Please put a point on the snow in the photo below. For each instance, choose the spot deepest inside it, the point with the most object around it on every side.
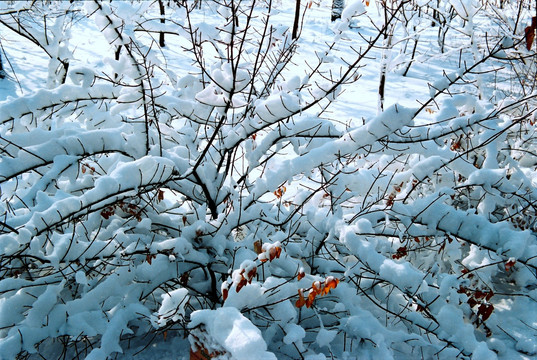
(402, 274)
(231, 330)
(482, 352)
(277, 106)
(352, 8)
(293, 333)
(325, 337)
(454, 328)
(172, 306)
(82, 76)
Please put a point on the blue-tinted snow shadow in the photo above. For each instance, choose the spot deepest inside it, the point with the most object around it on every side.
(7, 88)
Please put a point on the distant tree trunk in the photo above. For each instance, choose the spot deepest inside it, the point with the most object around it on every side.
(1, 68)
(117, 54)
(2, 73)
(520, 7)
(386, 48)
(64, 70)
(162, 21)
(337, 9)
(297, 19)
(413, 56)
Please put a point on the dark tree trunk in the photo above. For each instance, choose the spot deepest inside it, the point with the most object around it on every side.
(117, 54)
(2, 73)
(162, 21)
(64, 71)
(297, 19)
(337, 9)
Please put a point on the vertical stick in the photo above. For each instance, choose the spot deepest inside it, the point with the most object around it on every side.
(387, 43)
(520, 6)
(2, 75)
(117, 54)
(162, 21)
(297, 18)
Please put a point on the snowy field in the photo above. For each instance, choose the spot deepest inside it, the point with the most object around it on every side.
(254, 194)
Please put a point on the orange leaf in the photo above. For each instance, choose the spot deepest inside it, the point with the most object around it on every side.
(279, 193)
(225, 293)
(301, 301)
(330, 283)
(165, 334)
(241, 284)
(251, 274)
(333, 283)
(316, 288)
(258, 247)
(509, 264)
(274, 252)
(300, 275)
(310, 299)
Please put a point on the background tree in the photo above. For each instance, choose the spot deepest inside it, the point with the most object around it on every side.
(2, 72)
(162, 10)
(337, 9)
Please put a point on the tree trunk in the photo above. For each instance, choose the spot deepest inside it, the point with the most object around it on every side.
(162, 21)
(337, 9)
(2, 74)
(386, 49)
(117, 54)
(297, 19)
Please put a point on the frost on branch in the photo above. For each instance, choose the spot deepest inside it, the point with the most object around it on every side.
(215, 190)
